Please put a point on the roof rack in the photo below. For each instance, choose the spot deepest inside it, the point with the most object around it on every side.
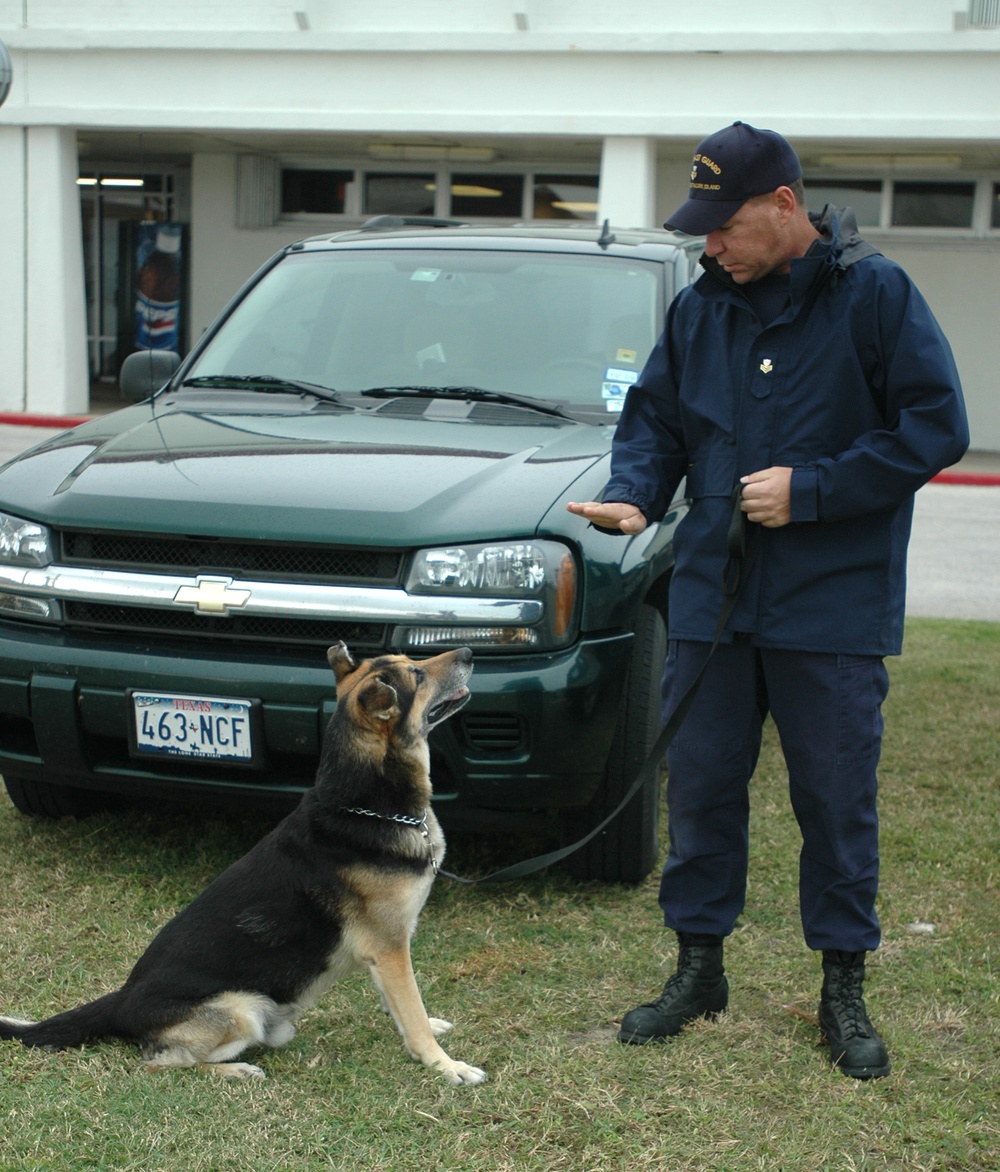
(388, 223)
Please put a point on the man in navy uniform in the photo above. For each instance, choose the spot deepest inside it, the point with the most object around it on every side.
(806, 368)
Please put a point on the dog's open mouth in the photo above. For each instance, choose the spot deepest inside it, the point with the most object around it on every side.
(447, 707)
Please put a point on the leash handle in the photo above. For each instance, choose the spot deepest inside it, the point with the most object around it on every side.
(742, 549)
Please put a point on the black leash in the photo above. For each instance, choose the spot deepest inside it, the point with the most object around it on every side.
(742, 548)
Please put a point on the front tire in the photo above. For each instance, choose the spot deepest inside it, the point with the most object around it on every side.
(40, 799)
(627, 849)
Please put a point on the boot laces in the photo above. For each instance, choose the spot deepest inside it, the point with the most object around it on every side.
(687, 959)
(848, 1004)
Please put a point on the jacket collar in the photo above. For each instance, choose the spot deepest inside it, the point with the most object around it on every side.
(838, 246)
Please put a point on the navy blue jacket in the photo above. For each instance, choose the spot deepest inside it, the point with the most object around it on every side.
(854, 386)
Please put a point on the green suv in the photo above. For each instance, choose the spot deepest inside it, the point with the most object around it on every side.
(375, 442)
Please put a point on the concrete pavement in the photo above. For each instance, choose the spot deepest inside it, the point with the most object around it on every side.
(953, 570)
(954, 563)
(16, 438)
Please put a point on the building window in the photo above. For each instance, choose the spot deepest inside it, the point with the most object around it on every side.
(487, 195)
(565, 197)
(931, 204)
(399, 194)
(314, 192)
(464, 194)
(863, 195)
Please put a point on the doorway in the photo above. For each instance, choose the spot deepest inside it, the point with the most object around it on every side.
(115, 203)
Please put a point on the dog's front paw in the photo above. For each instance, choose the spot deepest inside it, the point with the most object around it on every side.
(460, 1074)
(439, 1026)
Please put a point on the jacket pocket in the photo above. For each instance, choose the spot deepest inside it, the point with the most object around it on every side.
(711, 474)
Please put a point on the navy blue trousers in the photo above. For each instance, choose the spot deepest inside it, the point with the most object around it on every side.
(828, 712)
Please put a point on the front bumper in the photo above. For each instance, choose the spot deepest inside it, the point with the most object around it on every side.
(535, 734)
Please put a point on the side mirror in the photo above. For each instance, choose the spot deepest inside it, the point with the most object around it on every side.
(144, 372)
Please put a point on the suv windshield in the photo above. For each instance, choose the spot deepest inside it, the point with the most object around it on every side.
(538, 324)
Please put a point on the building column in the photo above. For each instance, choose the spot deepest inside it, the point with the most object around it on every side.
(56, 376)
(627, 195)
(13, 215)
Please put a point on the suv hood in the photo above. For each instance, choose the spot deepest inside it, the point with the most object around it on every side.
(305, 471)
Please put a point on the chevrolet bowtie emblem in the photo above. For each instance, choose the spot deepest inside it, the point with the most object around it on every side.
(212, 595)
(766, 366)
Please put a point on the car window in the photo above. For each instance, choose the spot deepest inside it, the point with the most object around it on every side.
(547, 325)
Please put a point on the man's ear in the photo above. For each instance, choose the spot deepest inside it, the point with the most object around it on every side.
(785, 202)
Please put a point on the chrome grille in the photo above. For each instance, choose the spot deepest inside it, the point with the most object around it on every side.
(263, 561)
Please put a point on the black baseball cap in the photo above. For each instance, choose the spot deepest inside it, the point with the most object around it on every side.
(730, 167)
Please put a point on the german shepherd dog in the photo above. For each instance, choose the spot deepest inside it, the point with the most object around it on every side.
(336, 886)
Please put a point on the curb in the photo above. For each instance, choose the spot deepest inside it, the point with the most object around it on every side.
(20, 419)
(980, 478)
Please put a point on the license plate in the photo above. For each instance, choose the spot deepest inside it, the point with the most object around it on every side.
(214, 728)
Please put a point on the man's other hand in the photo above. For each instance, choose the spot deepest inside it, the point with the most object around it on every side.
(767, 497)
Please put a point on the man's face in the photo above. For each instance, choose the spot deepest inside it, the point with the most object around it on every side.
(754, 242)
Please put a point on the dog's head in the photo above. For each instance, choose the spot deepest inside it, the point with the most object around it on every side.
(392, 693)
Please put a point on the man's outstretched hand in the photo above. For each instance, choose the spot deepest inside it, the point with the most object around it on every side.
(610, 515)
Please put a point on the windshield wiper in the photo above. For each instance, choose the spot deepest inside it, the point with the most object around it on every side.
(480, 394)
(265, 382)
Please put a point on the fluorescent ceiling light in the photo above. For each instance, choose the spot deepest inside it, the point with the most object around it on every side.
(468, 189)
(480, 192)
(570, 205)
(90, 181)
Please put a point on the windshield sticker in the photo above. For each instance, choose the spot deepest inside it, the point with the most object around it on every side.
(614, 375)
(614, 393)
(425, 274)
(615, 405)
(432, 354)
(622, 355)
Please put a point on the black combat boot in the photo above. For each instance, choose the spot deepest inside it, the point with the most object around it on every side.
(855, 1047)
(698, 989)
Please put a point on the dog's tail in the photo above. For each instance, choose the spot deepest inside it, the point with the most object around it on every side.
(86, 1023)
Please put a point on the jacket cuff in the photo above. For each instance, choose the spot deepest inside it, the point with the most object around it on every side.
(805, 494)
(627, 496)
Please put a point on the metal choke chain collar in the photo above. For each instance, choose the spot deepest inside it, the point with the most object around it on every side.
(419, 823)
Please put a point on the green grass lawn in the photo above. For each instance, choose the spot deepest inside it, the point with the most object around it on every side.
(536, 975)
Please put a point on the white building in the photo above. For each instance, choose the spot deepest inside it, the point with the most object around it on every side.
(253, 123)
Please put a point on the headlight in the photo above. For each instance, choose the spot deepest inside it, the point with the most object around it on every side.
(542, 570)
(23, 543)
(506, 570)
(26, 543)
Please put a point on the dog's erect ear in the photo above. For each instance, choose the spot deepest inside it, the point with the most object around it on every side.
(339, 658)
(379, 699)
